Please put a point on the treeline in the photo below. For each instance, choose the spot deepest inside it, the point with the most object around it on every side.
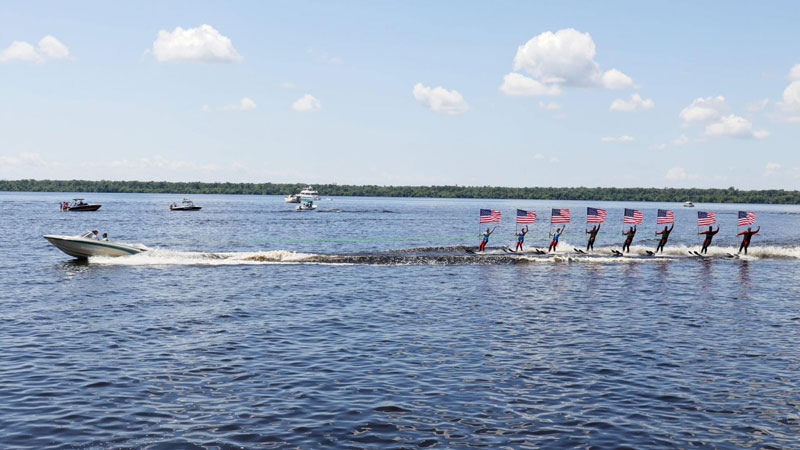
(730, 195)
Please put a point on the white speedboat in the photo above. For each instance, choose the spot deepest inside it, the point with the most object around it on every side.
(83, 246)
(294, 198)
(688, 204)
(306, 205)
(186, 205)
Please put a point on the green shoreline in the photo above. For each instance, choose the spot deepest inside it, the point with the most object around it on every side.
(730, 195)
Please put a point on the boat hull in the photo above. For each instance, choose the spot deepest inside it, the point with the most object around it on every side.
(186, 208)
(83, 208)
(82, 248)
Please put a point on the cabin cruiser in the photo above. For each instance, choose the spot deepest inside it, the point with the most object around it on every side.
(294, 198)
(306, 205)
(308, 193)
(186, 205)
(78, 205)
(688, 204)
(87, 244)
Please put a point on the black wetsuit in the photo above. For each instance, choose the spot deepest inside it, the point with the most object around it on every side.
(664, 238)
(746, 239)
(592, 235)
(707, 241)
(630, 234)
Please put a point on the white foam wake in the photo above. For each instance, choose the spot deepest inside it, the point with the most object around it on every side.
(163, 257)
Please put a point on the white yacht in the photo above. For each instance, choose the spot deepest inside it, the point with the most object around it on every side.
(688, 204)
(308, 193)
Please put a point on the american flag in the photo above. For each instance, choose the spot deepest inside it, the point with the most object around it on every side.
(746, 218)
(594, 215)
(490, 215)
(705, 218)
(633, 216)
(559, 216)
(526, 216)
(665, 216)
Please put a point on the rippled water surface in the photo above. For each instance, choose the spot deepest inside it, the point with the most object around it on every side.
(247, 324)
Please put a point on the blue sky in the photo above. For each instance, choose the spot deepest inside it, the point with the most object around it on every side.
(501, 93)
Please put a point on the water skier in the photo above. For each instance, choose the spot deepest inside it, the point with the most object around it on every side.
(709, 236)
(746, 239)
(628, 238)
(485, 238)
(592, 235)
(554, 242)
(664, 236)
(521, 238)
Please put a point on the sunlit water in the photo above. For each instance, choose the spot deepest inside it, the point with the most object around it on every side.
(248, 324)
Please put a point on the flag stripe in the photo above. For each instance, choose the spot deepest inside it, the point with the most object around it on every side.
(665, 216)
(746, 218)
(632, 216)
(705, 218)
(490, 215)
(559, 216)
(595, 215)
(524, 216)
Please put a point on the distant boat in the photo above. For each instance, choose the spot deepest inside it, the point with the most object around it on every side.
(186, 205)
(84, 246)
(308, 193)
(294, 198)
(306, 205)
(688, 204)
(78, 205)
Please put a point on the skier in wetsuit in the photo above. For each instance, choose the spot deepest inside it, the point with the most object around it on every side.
(709, 235)
(746, 239)
(628, 238)
(554, 242)
(485, 238)
(592, 235)
(664, 236)
(521, 238)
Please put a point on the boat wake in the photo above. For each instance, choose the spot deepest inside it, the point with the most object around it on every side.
(445, 255)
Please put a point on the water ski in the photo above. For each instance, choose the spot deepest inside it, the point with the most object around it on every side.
(539, 251)
(731, 255)
(649, 253)
(508, 249)
(616, 252)
(577, 250)
(470, 251)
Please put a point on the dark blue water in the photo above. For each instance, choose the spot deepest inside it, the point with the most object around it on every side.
(250, 325)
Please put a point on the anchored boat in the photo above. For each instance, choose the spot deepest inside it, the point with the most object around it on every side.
(186, 205)
(79, 205)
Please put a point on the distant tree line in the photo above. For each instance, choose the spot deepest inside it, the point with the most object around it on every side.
(729, 195)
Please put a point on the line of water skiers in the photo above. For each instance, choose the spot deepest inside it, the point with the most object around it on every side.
(629, 234)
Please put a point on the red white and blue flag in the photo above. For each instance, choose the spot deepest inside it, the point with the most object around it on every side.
(705, 218)
(490, 215)
(665, 216)
(746, 218)
(526, 216)
(594, 215)
(559, 216)
(633, 216)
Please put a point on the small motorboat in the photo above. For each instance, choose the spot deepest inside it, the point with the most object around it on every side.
(78, 205)
(306, 205)
(186, 205)
(294, 198)
(86, 245)
(688, 204)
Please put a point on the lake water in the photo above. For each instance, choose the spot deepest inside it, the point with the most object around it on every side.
(366, 324)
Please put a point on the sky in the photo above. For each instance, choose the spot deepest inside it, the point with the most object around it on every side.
(625, 94)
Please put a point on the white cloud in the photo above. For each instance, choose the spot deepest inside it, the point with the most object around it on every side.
(794, 72)
(307, 103)
(245, 104)
(48, 48)
(791, 96)
(757, 105)
(520, 85)
(203, 43)
(287, 85)
(52, 48)
(703, 109)
(678, 174)
(25, 160)
(735, 126)
(636, 102)
(771, 168)
(550, 106)
(440, 100)
(680, 140)
(623, 138)
(566, 57)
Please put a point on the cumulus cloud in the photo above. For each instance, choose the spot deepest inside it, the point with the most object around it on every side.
(519, 85)
(678, 174)
(566, 58)
(735, 126)
(623, 138)
(791, 96)
(794, 72)
(203, 43)
(307, 103)
(440, 100)
(703, 109)
(635, 103)
(550, 106)
(48, 48)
